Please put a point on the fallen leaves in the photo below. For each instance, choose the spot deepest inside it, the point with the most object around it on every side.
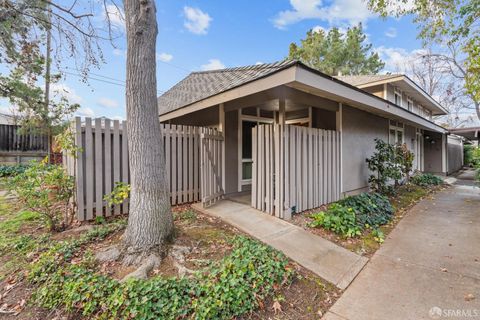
(277, 307)
(469, 297)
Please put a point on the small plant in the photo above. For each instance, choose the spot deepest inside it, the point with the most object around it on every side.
(339, 219)
(378, 235)
(404, 158)
(47, 190)
(12, 170)
(426, 180)
(371, 209)
(228, 288)
(119, 194)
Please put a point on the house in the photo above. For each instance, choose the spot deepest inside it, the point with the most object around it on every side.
(295, 138)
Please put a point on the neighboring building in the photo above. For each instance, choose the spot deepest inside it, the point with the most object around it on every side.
(287, 169)
(16, 147)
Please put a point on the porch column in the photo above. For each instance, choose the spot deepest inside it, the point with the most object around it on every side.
(444, 154)
(281, 111)
(221, 128)
(280, 168)
(339, 128)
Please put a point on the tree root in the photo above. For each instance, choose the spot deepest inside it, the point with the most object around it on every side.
(178, 255)
(152, 261)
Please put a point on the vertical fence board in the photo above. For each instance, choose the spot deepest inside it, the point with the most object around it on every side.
(89, 173)
(108, 163)
(125, 163)
(98, 168)
(116, 158)
(80, 172)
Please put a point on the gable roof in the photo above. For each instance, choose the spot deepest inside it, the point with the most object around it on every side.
(364, 79)
(200, 85)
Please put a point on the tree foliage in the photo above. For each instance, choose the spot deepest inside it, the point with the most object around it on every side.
(447, 23)
(335, 53)
(24, 25)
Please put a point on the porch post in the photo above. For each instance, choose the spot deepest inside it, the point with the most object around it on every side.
(339, 127)
(221, 128)
(444, 154)
(280, 164)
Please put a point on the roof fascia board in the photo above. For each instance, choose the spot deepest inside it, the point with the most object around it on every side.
(276, 79)
(355, 96)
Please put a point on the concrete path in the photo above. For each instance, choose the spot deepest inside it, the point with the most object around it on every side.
(331, 262)
(428, 268)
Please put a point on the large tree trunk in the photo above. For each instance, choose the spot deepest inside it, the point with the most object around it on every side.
(150, 221)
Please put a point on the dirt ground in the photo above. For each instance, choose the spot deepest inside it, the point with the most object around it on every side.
(204, 239)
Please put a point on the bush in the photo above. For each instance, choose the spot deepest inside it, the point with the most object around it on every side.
(45, 189)
(389, 163)
(426, 180)
(228, 288)
(371, 209)
(339, 219)
(12, 170)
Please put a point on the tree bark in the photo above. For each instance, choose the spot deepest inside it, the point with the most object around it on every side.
(150, 221)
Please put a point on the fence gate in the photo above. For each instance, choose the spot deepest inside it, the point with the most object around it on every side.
(211, 168)
(294, 168)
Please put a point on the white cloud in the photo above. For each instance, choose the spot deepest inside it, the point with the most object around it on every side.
(196, 21)
(85, 112)
(213, 64)
(165, 57)
(108, 103)
(391, 32)
(338, 12)
(116, 16)
(258, 63)
(397, 59)
(60, 90)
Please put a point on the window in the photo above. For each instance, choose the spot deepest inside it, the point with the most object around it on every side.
(409, 104)
(396, 133)
(247, 127)
(397, 97)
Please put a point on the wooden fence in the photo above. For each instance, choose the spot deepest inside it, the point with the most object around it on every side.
(11, 139)
(103, 161)
(294, 168)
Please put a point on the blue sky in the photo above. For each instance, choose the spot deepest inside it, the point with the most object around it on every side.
(197, 35)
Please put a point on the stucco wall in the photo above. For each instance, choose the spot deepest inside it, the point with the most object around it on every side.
(359, 131)
(432, 152)
(455, 154)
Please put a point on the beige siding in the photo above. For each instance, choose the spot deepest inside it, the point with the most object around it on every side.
(359, 131)
(376, 90)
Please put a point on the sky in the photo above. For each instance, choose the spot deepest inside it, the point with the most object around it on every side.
(211, 34)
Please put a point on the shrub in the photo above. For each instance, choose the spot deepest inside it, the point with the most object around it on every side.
(228, 288)
(45, 189)
(12, 170)
(371, 209)
(339, 219)
(426, 180)
(389, 163)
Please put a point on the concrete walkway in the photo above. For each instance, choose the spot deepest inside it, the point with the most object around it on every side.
(427, 267)
(331, 262)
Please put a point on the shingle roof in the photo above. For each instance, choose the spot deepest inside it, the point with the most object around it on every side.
(363, 79)
(200, 85)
